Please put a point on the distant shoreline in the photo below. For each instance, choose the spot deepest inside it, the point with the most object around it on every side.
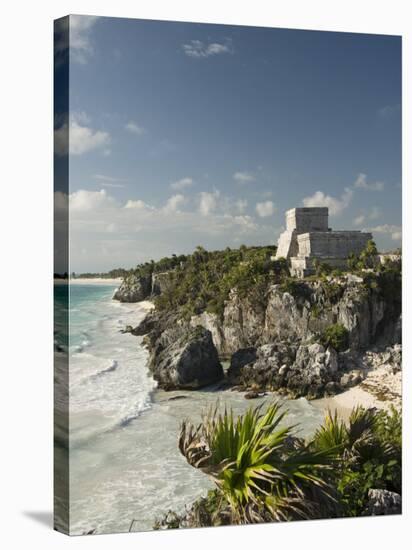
(89, 281)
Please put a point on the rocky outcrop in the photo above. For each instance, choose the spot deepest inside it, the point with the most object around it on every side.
(390, 358)
(383, 503)
(190, 362)
(160, 282)
(134, 289)
(301, 313)
(306, 370)
(273, 341)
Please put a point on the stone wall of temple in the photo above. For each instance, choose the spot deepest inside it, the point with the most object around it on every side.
(307, 219)
(332, 244)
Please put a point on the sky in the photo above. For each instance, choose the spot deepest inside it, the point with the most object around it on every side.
(185, 134)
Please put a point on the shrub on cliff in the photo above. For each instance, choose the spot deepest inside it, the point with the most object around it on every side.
(367, 259)
(264, 473)
(368, 449)
(336, 336)
(298, 289)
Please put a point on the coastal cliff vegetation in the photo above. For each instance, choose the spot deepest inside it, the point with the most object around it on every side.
(264, 472)
(305, 337)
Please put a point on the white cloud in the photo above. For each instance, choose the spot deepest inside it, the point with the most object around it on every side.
(81, 47)
(181, 184)
(395, 231)
(335, 205)
(373, 214)
(243, 177)
(109, 181)
(265, 209)
(245, 222)
(83, 201)
(362, 183)
(134, 128)
(105, 233)
(102, 177)
(359, 220)
(208, 202)
(241, 205)
(199, 49)
(81, 138)
(137, 204)
(173, 203)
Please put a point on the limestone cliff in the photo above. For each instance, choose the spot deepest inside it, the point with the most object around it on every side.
(275, 342)
(303, 311)
(135, 288)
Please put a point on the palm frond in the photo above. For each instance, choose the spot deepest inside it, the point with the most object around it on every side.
(254, 464)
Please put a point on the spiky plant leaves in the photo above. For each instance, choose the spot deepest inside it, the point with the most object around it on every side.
(251, 460)
(332, 435)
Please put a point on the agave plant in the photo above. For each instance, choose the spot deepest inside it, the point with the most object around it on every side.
(262, 471)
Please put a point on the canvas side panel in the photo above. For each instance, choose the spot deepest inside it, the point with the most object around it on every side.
(61, 270)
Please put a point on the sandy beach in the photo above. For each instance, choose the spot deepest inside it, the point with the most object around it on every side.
(94, 281)
(367, 394)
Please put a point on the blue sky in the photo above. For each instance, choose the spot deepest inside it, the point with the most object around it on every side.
(185, 134)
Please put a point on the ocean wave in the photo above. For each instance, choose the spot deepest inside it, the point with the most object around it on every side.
(143, 405)
(84, 436)
(79, 348)
(112, 367)
(128, 419)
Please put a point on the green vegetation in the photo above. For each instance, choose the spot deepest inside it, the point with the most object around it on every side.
(336, 336)
(333, 291)
(259, 471)
(321, 268)
(263, 472)
(369, 453)
(367, 259)
(296, 288)
(202, 281)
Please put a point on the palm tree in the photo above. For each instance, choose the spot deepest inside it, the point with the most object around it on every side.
(262, 472)
(356, 441)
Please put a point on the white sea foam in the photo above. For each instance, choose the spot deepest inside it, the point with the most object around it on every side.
(124, 463)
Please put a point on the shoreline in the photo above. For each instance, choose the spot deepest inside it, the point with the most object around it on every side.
(88, 281)
(344, 402)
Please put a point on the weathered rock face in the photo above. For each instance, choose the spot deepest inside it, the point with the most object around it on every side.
(136, 288)
(390, 358)
(212, 322)
(383, 503)
(308, 370)
(160, 282)
(189, 362)
(271, 341)
(133, 289)
(366, 316)
(241, 326)
(314, 372)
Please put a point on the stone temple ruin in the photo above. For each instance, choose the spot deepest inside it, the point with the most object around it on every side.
(309, 237)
